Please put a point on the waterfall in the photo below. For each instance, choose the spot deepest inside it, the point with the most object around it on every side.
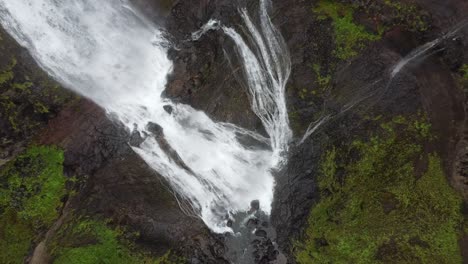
(107, 51)
(424, 49)
(267, 73)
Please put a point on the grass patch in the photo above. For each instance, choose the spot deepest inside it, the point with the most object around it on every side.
(379, 207)
(31, 188)
(349, 37)
(87, 241)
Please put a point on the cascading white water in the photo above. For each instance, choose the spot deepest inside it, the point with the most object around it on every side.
(105, 50)
(267, 73)
(212, 24)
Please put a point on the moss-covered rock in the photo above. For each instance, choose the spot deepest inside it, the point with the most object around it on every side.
(349, 36)
(464, 72)
(28, 96)
(31, 191)
(389, 203)
(408, 15)
(88, 241)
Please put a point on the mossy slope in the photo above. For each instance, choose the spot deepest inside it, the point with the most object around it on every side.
(390, 203)
(349, 36)
(31, 189)
(88, 241)
(28, 96)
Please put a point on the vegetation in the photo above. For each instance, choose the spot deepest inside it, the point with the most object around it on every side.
(349, 37)
(87, 241)
(407, 15)
(390, 203)
(323, 80)
(464, 72)
(7, 74)
(27, 98)
(31, 189)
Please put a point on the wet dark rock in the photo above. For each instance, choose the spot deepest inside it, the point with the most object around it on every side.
(156, 129)
(255, 205)
(252, 222)
(265, 252)
(195, 261)
(136, 139)
(261, 233)
(168, 109)
(199, 78)
(453, 52)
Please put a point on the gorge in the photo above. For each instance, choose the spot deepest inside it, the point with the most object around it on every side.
(139, 131)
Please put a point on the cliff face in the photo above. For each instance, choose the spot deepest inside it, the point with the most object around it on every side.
(327, 78)
(379, 135)
(343, 53)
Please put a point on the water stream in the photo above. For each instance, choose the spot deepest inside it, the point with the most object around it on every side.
(107, 51)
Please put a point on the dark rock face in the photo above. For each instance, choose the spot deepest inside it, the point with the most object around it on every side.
(136, 139)
(203, 76)
(156, 129)
(28, 98)
(168, 109)
(254, 238)
(295, 194)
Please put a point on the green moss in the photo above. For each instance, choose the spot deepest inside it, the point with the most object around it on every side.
(349, 37)
(39, 107)
(31, 188)
(464, 72)
(408, 15)
(303, 93)
(379, 207)
(16, 236)
(17, 99)
(7, 74)
(296, 121)
(22, 86)
(84, 241)
(323, 80)
(100, 243)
